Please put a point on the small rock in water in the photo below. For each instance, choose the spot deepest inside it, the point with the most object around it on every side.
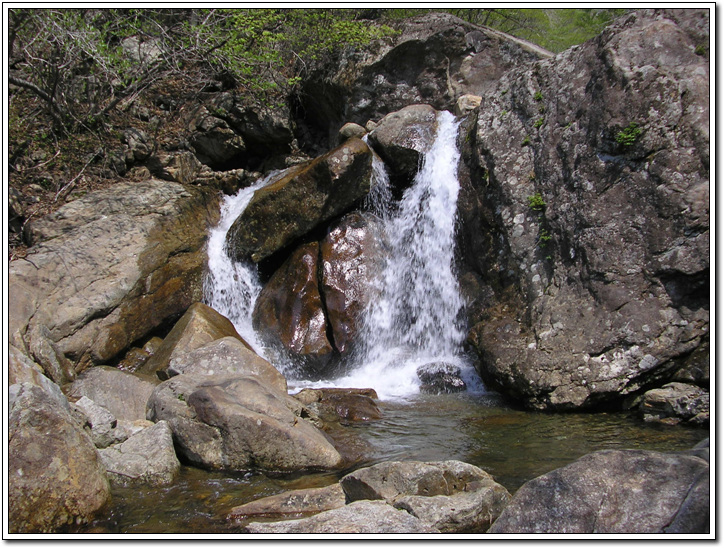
(440, 378)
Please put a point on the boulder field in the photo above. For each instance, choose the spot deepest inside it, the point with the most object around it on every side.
(582, 249)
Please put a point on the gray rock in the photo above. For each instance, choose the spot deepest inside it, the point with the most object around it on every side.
(592, 250)
(676, 402)
(199, 326)
(304, 197)
(108, 268)
(55, 477)
(122, 393)
(614, 492)
(349, 130)
(466, 104)
(470, 511)
(291, 504)
(22, 369)
(236, 423)
(226, 356)
(402, 137)
(146, 457)
(391, 480)
(98, 421)
(361, 517)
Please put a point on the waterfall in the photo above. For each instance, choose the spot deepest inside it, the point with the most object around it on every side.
(416, 319)
(231, 287)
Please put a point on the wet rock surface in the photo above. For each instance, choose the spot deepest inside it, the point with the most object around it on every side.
(440, 378)
(676, 403)
(292, 504)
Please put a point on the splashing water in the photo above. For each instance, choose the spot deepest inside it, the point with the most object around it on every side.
(231, 287)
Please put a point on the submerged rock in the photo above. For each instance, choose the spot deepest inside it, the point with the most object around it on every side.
(55, 476)
(292, 504)
(614, 492)
(237, 423)
(304, 197)
(361, 517)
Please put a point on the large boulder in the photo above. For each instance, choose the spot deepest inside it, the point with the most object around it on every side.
(586, 217)
(55, 476)
(352, 259)
(614, 492)
(304, 197)
(402, 138)
(289, 313)
(227, 356)
(107, 269)
(237, 423)
(122, 393)
(361, 517)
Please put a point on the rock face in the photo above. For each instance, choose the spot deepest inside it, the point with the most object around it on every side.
(361, 517)
(629, 492)
(55, 476)
(434, 60)
(304, 197)
(107, 269)
(236, 423)
(586, 216)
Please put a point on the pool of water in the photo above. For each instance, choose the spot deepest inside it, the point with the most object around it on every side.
(512, 445)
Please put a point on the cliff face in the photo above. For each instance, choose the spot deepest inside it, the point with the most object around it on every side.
(585, 227)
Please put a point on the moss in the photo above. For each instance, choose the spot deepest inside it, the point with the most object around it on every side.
(628, 136)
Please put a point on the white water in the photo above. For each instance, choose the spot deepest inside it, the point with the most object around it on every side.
(417, 318)
(231, 287)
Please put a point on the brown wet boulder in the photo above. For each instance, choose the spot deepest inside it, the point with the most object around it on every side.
(304, 197)
(352, 259)
(289, 314)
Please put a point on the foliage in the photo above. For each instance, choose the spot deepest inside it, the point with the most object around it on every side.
(536, 202)
(526, 141)
(538, 123)
(627, 136)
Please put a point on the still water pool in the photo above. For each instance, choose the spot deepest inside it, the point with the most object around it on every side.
(512, 445)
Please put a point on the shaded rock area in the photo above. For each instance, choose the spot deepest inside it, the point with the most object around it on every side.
(586, 217)
(614, 492)
(300, 200)
(55, 476)
(236, 423)
(435, 59)
(676, 403)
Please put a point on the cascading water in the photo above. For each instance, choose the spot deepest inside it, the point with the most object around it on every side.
(231, 287)
(416, 319)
